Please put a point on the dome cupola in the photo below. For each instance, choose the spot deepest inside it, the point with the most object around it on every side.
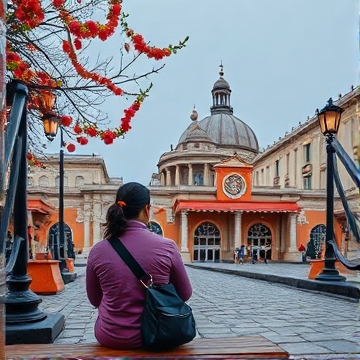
(221, 129)
(221, 95)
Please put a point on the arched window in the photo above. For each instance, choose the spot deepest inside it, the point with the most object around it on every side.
(43, 181)
(198, 178)
(79, 180)
(259, 240)
(207, 243)
(57, 249)
(57, 181)
(317, 238)
(155, 227)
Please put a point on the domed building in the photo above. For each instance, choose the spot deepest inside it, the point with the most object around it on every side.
(214, 191)
(202, 195)
(207, 142)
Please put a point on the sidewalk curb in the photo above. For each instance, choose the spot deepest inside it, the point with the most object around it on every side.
(343, 289)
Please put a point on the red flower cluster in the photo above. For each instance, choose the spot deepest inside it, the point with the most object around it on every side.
(19, 68)
(86, 74)
(66, 120)
(34, 161)
(58, 3)
(82, 140)
(77, 129)
(77, 44)
(108, 136)
(91, 131)
(44, 79)
(151, 52)
(91, 29)
(129, 114)
(29, 12)
(12, 57)
(71, 148)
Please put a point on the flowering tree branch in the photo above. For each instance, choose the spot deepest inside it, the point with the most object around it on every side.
(47, 43)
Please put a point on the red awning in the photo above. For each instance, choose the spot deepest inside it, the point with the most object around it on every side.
(217, 206)
(39, 206)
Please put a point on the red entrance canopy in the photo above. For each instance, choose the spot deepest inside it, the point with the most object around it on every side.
(218, 206)
(39, 206)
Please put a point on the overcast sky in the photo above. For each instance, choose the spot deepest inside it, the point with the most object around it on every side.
(282, 59)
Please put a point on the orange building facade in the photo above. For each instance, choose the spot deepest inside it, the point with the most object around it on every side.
(216, 190)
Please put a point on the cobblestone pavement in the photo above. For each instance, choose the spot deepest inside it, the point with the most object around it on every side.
(307, 325)
(295, 270)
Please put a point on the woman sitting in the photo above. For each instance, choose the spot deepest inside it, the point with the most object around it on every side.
(110, 284)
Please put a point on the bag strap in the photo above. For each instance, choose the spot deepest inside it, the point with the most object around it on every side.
(129, 260)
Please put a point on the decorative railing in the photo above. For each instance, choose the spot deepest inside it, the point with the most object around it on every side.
(15, 162)
(21, 303)
(351, 217)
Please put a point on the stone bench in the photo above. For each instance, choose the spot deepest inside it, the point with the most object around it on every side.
(244, 347)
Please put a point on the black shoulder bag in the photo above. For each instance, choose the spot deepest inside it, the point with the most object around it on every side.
(167, 321)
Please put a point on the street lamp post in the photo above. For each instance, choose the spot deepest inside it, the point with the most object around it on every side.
(329, 118)
(25, 322)
(61, 203)
(52, 122)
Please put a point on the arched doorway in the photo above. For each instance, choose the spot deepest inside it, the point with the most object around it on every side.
(207, 243)
(259, 240)
(155, 228)
(57, 249)
(317, 237)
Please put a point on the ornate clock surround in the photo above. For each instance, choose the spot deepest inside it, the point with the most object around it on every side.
(234, 185)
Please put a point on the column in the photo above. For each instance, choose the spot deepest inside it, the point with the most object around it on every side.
(86, 234)
(282, 233)
(292, 253)
(87, 218)
(292, 233)
(191, 178)
(237, 232)
(184, 237)
(96, 218)
(295, 169)
(168, 178)
(184, 231)
(177, 175)
(162, 179)
(206, 174)
(316, 162)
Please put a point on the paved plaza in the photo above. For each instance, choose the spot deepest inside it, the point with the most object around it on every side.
(309, 325)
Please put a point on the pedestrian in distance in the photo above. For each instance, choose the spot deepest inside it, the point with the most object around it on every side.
(264, 250)
(235, 252)
(110, 284)
(253, 255)
(241, 254)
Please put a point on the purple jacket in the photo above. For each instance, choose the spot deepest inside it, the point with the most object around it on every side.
(118, 294)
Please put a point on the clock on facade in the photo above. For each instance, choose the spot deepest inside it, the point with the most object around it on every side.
(234, 186)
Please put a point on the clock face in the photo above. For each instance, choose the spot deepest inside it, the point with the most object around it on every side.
(234, 186)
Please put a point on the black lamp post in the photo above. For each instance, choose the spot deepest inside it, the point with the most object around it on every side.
(329, 118)
(21, 303)
(52, 122)
(25, 322)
